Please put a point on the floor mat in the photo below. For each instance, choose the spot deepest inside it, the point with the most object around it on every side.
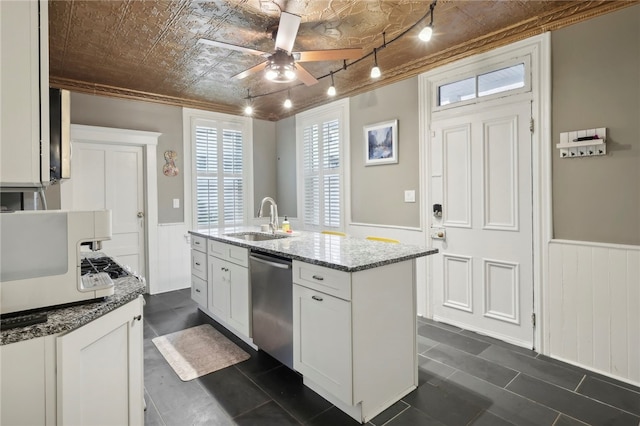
(197, 351)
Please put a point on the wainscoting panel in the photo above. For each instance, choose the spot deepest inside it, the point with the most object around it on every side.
(174, 260)
(594, 302)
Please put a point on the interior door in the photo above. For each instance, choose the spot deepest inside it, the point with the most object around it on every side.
(481, 175)
(108, 176)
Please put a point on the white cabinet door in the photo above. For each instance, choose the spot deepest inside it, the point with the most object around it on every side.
(239, 298)
(322, 341)
(24, 110)
(100, 376)
(24, 378)
(229, 293)
(219, 287)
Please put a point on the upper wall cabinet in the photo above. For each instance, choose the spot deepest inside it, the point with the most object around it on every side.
(24, 84)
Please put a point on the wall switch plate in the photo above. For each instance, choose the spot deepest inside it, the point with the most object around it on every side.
(410, 196)
(176, 203)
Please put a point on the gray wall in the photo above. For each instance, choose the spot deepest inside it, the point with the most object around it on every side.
(596, 83)
(264, 163)
(286, 179)
(136, 115)
(377, 192)
(127, 114)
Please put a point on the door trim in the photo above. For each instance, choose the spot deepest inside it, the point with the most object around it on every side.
(149, 142)
(539, 49)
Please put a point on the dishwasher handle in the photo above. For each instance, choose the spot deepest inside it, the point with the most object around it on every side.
(270, 262)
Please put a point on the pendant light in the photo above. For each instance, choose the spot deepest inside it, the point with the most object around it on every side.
(427, 31)
(375, 71)
(248, 109)
(332, 89)
(287, 103)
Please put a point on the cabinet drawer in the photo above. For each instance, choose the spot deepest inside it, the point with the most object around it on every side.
(199, 264)
(234, 254)
(199, 243)
(199, 291)
(327, 280)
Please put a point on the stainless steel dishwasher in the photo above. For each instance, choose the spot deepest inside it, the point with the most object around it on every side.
(272, 304)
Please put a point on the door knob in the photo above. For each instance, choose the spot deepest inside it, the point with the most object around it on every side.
(140, 214)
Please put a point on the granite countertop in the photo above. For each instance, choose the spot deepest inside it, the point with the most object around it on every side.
(349, 254)
(63, 320)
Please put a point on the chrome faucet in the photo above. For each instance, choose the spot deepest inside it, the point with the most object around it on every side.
(273, 213)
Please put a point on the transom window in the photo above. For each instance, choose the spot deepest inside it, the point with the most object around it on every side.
(481, 85)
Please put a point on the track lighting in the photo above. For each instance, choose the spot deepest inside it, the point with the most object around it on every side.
(332, 89)
(287, 103)
(375, 71)
(248, 109)
(427, 32)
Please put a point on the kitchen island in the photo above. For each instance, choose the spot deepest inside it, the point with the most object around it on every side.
(82, 359)
(353, 314)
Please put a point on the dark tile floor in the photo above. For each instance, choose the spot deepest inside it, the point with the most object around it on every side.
(465, 379)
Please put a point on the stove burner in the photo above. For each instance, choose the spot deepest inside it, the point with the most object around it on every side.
(102, 264)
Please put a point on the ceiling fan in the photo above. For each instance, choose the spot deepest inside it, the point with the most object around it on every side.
(282, 66)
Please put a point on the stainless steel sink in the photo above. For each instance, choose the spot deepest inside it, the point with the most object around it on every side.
(255, 236)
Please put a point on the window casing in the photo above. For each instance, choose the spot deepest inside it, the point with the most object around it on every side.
(221, 178)
(321, 138)
(507, 78)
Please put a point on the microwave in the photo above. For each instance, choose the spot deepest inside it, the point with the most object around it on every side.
(41, 257)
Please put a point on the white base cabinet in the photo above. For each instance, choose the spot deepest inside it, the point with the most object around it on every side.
(100, 370)
(324, 322)
(92, 375)
(228, 279)
(354, 338)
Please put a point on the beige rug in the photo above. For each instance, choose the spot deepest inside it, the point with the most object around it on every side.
(197, 351)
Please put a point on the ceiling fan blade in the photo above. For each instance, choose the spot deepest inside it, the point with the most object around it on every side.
(231, 46)
(305, 76)
(287, 31)
(327, 55)
(252, 70)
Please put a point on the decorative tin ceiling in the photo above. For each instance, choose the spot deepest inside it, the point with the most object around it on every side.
(149, 50)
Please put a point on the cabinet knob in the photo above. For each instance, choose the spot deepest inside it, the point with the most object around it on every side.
(197, 263)
(137, 318)
(197, 290)
(318, 277)
(318, 298)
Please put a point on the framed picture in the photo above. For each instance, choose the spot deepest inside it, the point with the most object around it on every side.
(381, 143)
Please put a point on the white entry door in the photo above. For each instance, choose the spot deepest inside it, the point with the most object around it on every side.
(110, 177)
(481, 175)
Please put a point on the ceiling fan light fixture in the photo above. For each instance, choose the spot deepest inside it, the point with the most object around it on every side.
(281, 68)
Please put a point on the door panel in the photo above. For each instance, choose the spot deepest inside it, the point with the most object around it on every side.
(110, 177)
(483, 275)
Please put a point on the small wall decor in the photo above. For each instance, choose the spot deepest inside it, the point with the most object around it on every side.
(381, 143)
(583, 143)
(170, 169)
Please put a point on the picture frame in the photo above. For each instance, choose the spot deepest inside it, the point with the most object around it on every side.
(381, 143)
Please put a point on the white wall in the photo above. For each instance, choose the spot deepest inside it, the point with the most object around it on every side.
(594, 307)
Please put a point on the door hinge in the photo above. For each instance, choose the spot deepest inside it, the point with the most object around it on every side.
(531, 125)
(533, 319)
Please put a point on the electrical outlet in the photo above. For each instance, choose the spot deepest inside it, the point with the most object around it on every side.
(176, 203)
